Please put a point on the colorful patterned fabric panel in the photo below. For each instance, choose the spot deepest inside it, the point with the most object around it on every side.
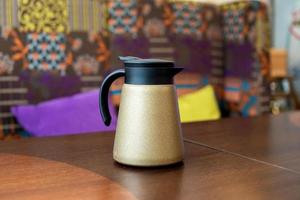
(86, 15)
(196, 38)
(246, 35)
(234, 21)
(123, 27)
(122, 16)
(191, 18)
(87, 53)
(43, 15)
(188, 20)
(46, 51)
(143, 29)
(195, 29)
(156, 19)
(246, 21)
(87, 57)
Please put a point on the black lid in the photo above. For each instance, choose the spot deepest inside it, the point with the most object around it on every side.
(130, 61)
(149, 71)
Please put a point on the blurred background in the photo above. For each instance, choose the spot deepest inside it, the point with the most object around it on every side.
(241, 58)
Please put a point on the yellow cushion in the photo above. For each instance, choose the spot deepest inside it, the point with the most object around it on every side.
(199, 106)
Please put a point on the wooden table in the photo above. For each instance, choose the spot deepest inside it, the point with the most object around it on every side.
(219, 164)
(273, 140)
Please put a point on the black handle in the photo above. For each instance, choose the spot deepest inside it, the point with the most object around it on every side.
(103, 95)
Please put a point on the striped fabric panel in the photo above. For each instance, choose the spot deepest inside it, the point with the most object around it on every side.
(90, 82)
(160, 47)
(13, 92)
(9, 14)
(217, 72)
(86, 15)
(233, 89)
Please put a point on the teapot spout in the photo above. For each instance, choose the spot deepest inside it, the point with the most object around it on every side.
(176, 70)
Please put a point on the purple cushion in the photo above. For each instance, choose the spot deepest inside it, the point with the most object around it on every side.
(63, 116)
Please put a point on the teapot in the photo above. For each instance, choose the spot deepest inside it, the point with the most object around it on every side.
(148, 129)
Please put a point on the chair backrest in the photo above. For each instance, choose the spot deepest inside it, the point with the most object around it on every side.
(70, 53)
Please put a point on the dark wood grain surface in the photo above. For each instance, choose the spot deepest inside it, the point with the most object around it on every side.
(28, 177)
(272, 139)
(205, 174)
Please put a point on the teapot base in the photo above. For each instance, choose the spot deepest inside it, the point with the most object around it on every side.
(148, 163)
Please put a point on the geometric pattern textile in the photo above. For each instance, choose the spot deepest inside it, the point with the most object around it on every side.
(246, 21)
(196, 19)
(122, 16)
(46, 51)
(187, 18)
(234, 21)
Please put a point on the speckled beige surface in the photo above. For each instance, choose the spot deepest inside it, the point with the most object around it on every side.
(148, 130)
